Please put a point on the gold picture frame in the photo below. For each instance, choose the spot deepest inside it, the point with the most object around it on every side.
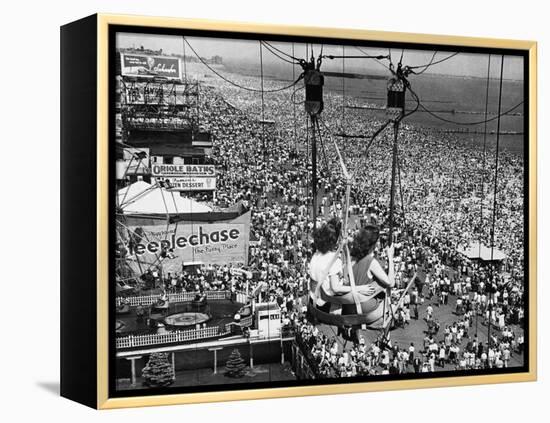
(103, 22)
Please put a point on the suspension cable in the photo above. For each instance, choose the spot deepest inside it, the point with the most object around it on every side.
(275, 90)
(416, 98)
(392, 188)
(434, 63)
(294, 103)
(498, 116)
(343, 87)
(484, 153)
(374, 58)
(428, 65)
(401, 188)
(347, 175)
(496, 163)
(378, 131)
(274, 53)
(263, 107)
(166, 208)
(184, 60)
(293, 57)
(323, 150)
(314, 181)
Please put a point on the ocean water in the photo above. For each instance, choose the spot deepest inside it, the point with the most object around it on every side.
(441, 94)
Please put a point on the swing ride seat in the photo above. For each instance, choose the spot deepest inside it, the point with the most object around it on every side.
(347, 320)
(344, 299)
(372, 319)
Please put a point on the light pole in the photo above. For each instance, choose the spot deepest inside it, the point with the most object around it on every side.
(477, 315)
(490, 308)
(282, 347)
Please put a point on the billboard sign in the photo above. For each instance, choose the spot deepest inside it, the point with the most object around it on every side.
(209, 243)
(146, 66)
(184, 170)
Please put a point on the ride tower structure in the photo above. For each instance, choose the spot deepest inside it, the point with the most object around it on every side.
(395, 110)
(397, 86)
(313, 82)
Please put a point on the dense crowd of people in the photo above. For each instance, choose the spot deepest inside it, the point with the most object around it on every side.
(444, 205)
(457, 350)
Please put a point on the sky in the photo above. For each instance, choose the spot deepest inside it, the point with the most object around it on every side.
(248, 52)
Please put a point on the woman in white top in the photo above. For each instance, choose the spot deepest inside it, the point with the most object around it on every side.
(325, 269)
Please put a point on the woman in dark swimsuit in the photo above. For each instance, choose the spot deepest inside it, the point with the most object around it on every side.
(368, 271)
(325, 270)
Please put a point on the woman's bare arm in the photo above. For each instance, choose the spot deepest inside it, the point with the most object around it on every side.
(338, 288)
(386, 280)
(336, 285)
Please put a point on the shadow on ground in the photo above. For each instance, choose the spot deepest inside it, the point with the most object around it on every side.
(50, 387)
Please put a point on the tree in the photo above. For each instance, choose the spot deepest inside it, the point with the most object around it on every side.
(235, 365)
(158, 371)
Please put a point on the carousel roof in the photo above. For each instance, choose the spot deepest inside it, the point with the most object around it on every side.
(478, 251)
(144, 198)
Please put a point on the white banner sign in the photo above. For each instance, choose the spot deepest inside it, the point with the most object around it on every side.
(185, 177)
(190, 184)
(146, 66)
(183, 170)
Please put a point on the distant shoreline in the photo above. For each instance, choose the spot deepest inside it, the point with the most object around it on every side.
(511, 142)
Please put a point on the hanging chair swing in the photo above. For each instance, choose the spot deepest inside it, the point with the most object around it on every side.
(368, 314)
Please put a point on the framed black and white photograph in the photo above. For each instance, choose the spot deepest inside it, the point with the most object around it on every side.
(295, 211)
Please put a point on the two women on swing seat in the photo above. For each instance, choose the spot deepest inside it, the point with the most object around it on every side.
(329, 291)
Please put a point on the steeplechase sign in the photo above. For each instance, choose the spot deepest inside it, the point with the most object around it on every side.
(186, 177)
(214, 243)
(146, 66)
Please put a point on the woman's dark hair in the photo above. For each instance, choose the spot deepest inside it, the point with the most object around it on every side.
(325, 238)
(364, 242)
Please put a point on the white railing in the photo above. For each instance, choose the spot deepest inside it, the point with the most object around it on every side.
(241, 298)
(180, 297)
(132, 341)
(217, 295)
